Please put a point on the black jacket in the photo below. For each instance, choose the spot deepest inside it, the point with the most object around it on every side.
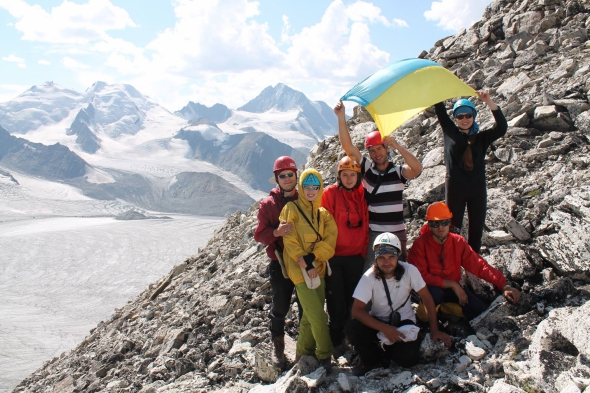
(455, 143)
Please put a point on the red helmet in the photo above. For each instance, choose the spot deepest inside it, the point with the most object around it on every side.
(283, 163)
(373, 138)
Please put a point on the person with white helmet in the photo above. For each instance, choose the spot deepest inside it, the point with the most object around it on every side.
(465, 149)
(388, 331)
(346, 202)
(270, 232)
(308, 246)
(383, 181)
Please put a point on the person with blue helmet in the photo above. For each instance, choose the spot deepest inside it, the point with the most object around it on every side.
(308, 247)
(465, 148)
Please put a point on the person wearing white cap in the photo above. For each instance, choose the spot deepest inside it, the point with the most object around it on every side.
(388, 331)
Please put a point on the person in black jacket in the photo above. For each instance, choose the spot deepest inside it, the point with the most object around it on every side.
(465, 151)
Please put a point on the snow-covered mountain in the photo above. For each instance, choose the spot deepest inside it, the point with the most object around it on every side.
(281, 112)
(129, 147)
(218, 113)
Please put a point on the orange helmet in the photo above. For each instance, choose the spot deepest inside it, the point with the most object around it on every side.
(373, 138)
(438, 211)
(348, 163)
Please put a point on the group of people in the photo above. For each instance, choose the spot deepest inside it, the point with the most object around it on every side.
(344, 245)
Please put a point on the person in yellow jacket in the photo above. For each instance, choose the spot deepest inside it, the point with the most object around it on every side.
(307, 249)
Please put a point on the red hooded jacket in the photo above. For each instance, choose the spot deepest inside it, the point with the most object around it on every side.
(437, 265)
(268, 221)
(348, 205)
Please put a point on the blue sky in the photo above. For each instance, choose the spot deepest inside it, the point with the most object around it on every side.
(211, 51)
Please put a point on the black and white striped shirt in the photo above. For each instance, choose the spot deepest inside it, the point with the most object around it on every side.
(386, 209)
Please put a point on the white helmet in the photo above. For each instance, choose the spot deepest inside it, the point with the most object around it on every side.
(386, 239)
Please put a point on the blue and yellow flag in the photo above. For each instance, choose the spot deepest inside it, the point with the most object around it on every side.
(400, 91)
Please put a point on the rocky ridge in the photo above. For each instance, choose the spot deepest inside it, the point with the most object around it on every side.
(204, 328)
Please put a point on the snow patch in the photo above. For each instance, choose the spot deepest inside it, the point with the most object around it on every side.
(49, 190)
(174, 180)
(209, 133)
(97, 176)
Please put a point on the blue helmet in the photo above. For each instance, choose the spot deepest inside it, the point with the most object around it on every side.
(311, 180)
(462, 106)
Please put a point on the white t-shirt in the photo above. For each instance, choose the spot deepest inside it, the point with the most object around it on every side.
(370, 288)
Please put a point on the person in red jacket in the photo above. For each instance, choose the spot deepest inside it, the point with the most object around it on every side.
(440, 254)
(346, 202)
(270, 232)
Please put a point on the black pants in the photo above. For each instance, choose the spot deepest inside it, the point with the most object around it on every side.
(459, 196)
(471, 309)
(346, 273)
(282, 291)
(367, 345)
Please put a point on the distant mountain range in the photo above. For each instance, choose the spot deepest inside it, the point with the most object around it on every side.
(113, 142)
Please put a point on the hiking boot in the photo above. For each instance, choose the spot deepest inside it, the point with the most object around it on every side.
(340, 350)
(278, 354)
(326, 363)
(360, 369)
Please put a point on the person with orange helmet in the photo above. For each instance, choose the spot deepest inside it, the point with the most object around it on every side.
(270, 232)
(440, 254)
(346, 202)
(383, 181)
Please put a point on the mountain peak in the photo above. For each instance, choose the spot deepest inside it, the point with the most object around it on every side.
(218, 113)
(281, 97)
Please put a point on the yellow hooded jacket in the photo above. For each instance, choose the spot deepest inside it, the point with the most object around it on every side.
(303, 238)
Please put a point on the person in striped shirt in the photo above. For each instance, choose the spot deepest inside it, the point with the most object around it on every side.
(383, 181)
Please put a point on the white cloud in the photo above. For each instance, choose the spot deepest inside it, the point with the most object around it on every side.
(13, 59)
(454, 15)
(235, 63)
(361, 11)
(73, 64)
(19, 61)
(216, 36)
(217, 51)
(337, 46)
(400, 22)
(285, 38)
(44, 62)
(69, 22)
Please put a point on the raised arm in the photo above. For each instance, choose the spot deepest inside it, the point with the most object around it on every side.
(350, 149)
(499, 129)
(412, 167)
(485, 97)
(443, 117)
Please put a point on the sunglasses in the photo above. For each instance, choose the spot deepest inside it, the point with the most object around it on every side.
(436, 224)
(312, 188)
(354, 226)
(464, 116)
(360, 223)
(382, 249)
(286, 175)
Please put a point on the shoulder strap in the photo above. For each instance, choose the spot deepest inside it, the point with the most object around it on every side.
(307, 219)
(389, 296)
(377, 185)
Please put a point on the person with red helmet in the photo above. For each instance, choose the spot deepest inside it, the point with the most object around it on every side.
(440, 254)
(270, 232)
(346, 202)
(383, 181)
